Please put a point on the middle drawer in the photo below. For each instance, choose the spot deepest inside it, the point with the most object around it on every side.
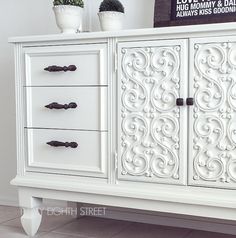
(82, 108)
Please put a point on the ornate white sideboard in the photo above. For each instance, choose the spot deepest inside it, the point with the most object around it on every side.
(142, 119)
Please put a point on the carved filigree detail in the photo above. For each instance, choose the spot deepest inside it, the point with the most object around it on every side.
(150, 119)
(214, 137)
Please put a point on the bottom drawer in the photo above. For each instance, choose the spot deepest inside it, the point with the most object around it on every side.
(89, 158)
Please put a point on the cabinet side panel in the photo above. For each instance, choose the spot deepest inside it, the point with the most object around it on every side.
(20, 109)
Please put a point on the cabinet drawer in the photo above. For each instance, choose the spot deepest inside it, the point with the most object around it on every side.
(90, 62)
(88, 159)
(90, 112)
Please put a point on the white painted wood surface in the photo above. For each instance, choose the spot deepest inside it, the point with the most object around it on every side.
(82, 56)
(174, 32)
(82, 160)
(91, 101)
(212, 120)
(97, 177)
(151, 76)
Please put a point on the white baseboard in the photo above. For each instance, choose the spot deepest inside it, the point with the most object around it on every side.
(189, 222)
(9, 201)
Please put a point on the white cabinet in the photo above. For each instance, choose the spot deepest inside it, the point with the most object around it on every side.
(65, 93)
(142, 119)
(212, 151)
(152, 143)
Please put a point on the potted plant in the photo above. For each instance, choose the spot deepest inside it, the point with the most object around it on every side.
(111, 14)
(69, 15)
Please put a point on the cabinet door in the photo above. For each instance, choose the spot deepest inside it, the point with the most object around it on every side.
(212, 150)
(151, 128)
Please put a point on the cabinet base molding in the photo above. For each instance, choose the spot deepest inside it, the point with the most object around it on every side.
(193, 201)
(216, 219)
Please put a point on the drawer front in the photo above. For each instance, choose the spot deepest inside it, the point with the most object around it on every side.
(90, 112)
(88, 159)
(90, 62)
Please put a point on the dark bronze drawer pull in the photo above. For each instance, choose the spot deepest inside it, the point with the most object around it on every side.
(55, 68)
(56, 105)
(63, 144)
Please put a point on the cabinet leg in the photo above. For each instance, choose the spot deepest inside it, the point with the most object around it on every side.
(31, 220)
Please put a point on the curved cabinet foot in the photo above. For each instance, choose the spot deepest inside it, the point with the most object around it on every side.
(31, 220)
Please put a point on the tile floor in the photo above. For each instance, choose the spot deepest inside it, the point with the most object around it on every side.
(90, 227)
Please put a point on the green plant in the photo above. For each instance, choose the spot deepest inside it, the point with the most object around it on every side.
(111, 5)
(79, 3)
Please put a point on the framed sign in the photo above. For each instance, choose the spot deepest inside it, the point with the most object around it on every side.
(187, 12)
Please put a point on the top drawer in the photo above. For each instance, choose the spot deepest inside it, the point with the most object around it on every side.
(90, 61)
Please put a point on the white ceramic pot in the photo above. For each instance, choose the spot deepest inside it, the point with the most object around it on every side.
(68, 18)
(111, 21)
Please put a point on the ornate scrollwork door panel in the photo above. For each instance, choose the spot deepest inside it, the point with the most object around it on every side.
(212, 151)
(151, 128)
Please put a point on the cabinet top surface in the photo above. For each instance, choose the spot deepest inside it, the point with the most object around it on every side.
(180, 31)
